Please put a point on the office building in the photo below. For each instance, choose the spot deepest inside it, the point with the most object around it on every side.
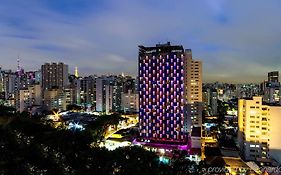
(161, 93)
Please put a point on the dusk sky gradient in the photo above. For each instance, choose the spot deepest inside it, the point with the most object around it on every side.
(238, 41)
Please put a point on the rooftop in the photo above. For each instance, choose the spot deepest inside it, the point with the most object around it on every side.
(160, 48)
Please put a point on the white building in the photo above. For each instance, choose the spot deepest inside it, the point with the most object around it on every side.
(32, 96)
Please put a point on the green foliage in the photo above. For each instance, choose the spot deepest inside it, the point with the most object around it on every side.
(7, 110)
(28, 146)
(99, 127)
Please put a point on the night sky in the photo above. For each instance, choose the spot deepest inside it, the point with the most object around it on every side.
(238, 41)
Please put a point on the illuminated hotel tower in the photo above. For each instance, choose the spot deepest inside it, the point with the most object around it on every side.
(161, 93)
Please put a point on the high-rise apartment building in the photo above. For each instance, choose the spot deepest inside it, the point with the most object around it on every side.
(9, 81)
(88, 90)
(275, 130)
(161, 93)
(259, 130)
(55, 99)
(54, 75)
(108, 98)
(254, 128)
(28, 98)
(210, 100)
(108, 94)
(271, 88)
(100, 94)
(193, 78)
(129, 84)
(74, 90)
(214, 102)
(193, 90)
(1, 81)
(273, 76)
(130, 102)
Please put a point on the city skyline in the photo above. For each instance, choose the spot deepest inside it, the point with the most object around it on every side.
(235, 46)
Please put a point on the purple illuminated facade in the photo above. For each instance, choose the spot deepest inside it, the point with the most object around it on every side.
(161, 93)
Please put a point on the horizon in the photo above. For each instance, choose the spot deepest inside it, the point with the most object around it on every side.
(71, 72)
